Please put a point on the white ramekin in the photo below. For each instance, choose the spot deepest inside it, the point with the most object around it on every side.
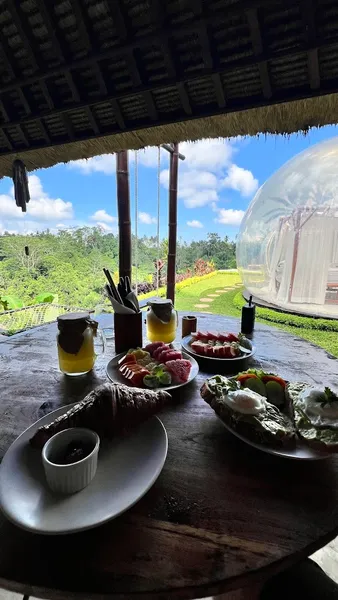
(67, 479)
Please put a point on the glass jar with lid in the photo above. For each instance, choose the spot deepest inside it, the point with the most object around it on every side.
(162, 320)
(75, 342)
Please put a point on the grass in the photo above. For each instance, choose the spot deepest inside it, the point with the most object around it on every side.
(187, 297)
(323, 332)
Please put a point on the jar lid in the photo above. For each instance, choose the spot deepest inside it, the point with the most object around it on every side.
(69, 318)
(162, 308)
(160, 302)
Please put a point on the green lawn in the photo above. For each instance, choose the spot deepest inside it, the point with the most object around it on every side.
(224, 305)
(186, 298)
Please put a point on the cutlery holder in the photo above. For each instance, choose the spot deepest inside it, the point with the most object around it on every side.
(128, 331)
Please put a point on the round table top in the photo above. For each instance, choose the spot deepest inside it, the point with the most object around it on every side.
(220, 514)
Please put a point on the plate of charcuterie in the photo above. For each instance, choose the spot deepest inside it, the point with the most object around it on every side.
(157, 366)
(224, 347)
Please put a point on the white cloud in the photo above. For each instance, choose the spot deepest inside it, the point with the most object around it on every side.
(148, 157)
(201, 198)
(240, 180)
(196, 188)
(213, 155)
(106, 163)
(41, 207)
(98, 164)
(146, 218)
(196, 224)
(229, 216)
(103, 216)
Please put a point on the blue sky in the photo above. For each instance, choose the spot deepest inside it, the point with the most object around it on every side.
(217, 181)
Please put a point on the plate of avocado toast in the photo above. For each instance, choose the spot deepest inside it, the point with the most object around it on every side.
(267, 412)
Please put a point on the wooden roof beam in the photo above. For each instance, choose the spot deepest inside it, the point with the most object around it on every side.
(25, 33)
(84, 26)
(45, 132)
(139, 42)
(8, 59)
(118, 114)
(258, 49)
(179, 82)
(122, 31)
(206, 52)
(307, 9)
(44, 9)
(29, 44)
(159, 16)
(7, 140)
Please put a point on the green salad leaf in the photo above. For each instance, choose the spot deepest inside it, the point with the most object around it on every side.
(330, 395)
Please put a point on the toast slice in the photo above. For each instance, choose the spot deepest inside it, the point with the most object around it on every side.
(318, 436)
(270, 428)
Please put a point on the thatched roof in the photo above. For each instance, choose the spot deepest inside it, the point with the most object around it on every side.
(85, 77)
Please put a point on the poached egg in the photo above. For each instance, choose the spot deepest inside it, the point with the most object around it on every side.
(245, 401)
(320, 412)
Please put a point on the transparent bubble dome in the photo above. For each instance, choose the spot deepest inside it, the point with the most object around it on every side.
(287, 250)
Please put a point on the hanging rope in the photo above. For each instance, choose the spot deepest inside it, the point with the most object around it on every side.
(136, 219)
(158, 218)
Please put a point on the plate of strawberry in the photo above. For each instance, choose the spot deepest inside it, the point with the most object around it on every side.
(221, 346)
(155, 366)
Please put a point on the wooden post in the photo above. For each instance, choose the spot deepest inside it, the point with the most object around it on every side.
(172, 236)
(123, 209)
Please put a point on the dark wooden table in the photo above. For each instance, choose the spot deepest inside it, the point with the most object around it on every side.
(220, 514)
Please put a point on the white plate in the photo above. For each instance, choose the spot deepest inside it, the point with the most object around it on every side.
(186, 341)
(116, 377)
(300, 452)
(126, 470)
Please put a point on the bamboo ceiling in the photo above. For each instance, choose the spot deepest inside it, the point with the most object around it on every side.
(85, 77)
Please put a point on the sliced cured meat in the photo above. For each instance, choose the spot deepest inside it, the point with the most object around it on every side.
(158, 351)
(128, 358)
(200, 335)
(179, 370)
(198, 347)
(208, 349)
(170, 355)
(152, 347)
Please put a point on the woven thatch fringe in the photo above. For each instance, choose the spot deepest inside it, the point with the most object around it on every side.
(277, 119)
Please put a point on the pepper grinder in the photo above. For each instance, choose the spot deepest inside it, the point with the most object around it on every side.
(248, 317)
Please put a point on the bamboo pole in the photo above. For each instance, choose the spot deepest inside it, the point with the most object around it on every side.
(172, 235)
(123, 208)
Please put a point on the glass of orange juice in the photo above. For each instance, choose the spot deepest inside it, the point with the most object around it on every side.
(77, 336)
(162, 321)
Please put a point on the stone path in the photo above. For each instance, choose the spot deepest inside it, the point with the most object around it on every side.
(205, 302)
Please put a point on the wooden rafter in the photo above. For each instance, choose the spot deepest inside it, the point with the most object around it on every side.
(84, 24)
(134, 69)
(44, 132)
(309, 22)
(159, 16)
(8, 59)
(194, 42)
(207, 54)
(258, 48)
(165, 32)
(7, 140)
(231, 67)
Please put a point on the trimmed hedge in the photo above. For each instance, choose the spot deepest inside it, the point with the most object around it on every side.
(179, 286)
(288, 319)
